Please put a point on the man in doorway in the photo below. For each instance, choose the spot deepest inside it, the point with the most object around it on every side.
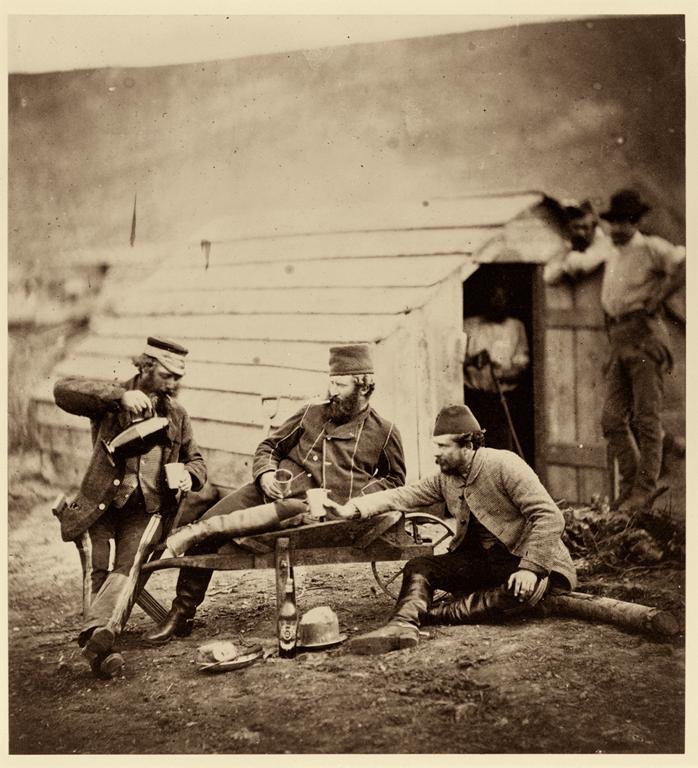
(507, 550)
(342, 445)
(496, 357)
(126, 499)
(641, 273)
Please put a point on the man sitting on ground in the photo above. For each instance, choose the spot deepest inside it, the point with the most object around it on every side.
(507, 551)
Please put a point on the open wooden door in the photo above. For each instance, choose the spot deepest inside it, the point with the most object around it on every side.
(572, 453)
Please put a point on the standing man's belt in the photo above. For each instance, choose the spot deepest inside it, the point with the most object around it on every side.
(636, 314)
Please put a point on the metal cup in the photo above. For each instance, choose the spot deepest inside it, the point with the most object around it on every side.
(174, 472)
(316, 498)
(284, 478)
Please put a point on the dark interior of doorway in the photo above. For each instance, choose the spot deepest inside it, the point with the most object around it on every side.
(519, 280)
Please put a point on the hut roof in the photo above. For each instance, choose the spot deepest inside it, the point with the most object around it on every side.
(258, 313)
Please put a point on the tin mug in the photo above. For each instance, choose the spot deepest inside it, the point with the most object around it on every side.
(316, 497)
(174, 473)
(284, 478)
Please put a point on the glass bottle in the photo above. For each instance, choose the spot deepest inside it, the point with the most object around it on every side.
(288, 621)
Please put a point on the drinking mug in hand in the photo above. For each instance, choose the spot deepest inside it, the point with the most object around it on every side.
(283, 479)
(174, 474)
(316, 498)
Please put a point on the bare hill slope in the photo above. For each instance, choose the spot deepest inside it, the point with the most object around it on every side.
(571, 108)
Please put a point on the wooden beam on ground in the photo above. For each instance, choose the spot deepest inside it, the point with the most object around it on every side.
(608, 610)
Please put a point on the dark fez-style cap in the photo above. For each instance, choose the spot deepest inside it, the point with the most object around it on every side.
(351, 359)
(456, 420)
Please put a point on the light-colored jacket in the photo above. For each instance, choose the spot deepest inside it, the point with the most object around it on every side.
(505, 495)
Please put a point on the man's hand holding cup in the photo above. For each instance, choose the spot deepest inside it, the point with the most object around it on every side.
(276, 484)
(178, 477)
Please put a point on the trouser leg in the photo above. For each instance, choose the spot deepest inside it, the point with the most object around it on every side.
(615, 424)
(246, 496)
(137, 533)
(192, 583)
(648, 394)
(481, 583)
(94, 550)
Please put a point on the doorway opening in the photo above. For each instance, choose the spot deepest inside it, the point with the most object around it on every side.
(517, 281)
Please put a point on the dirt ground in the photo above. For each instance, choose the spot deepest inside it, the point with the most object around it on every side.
(536, 685)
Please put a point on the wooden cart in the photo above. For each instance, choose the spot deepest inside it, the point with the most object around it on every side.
(388, 538)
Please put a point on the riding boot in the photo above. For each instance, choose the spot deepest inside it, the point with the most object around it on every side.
(191, 591)
(402, 631)
(242, 522)
(485, 604)
(193, 582)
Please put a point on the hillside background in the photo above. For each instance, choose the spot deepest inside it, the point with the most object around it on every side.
(240, 146)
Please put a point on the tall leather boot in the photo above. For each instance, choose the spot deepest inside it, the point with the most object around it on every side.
(402, 631)
(193, 582)
(242, 522)
(191, 591)
(483, 605)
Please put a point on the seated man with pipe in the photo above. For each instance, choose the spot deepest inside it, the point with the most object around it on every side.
(507, 551)
(342, 445)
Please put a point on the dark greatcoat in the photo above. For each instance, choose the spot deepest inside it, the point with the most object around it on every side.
(353, 459)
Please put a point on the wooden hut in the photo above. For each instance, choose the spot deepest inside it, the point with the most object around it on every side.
(260, 313)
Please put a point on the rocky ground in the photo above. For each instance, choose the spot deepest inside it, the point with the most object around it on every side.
(536, 685)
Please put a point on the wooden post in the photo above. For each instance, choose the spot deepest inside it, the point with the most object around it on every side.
(605, 609)
(283, 567)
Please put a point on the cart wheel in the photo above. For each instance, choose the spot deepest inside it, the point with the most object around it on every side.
(424, 529)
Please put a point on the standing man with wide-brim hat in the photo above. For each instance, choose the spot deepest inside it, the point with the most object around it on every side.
(126, 498)
(641, 273)
(342, 445)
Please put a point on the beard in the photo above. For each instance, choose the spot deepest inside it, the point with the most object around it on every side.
(159, 398)
(455, 466)
(340, 411)
(447, 468)
(579, 243)
(161, 402)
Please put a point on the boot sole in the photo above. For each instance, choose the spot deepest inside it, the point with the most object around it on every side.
(367, 646)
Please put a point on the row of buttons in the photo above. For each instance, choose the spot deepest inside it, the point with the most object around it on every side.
(116, 482)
